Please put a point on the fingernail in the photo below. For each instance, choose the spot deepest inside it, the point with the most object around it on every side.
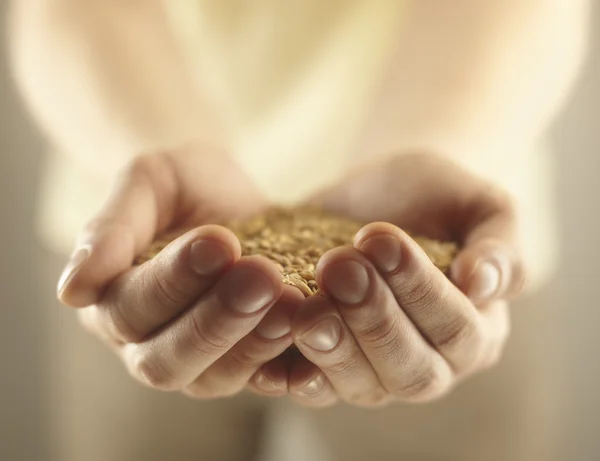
(347, 281)
(209, 257)
(73, 266)
(275, 325)
(313, 386)
(247, 290)
(266, 385)
(324, 336)
(485, 281)
(384, 251)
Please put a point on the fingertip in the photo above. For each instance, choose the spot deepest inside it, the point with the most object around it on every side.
(75, 286)
(277, 324)
(346, 275)
(302, 370)
(98, 259)
(373, 229)
(484, 284)
(462, 269)
(266, 267)
(292, 295)
(488, 270)
(77, 297)
(334, 256)
(252, 285)
(312, 309)
(271, 379)
(218, 233)
(309, 386)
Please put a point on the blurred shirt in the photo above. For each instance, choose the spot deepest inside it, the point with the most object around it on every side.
(284, 76)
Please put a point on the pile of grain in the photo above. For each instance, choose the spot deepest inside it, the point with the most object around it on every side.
(295, 239)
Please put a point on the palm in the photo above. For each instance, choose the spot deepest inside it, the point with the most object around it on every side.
(191, 187)
(422, 193)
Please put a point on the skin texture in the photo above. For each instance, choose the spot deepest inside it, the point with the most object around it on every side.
(200, 319)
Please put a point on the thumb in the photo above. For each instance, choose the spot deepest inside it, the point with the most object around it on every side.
(490, 265)
(141, 204)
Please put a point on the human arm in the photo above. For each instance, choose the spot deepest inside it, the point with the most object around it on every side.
(106, 80)
(478, 81)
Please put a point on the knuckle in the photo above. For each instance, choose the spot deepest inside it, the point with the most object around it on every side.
(244, 358)
(119, 323)
(166, 291)
(381, 334)
(205, 339)
(151, 372)
(425, 386)
(421, 294)
(343, 367)
(458, 334)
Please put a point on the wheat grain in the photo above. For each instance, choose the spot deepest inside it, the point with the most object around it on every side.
(295, 239)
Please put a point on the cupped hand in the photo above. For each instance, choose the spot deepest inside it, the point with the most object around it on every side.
(197, 318)
(392, 327)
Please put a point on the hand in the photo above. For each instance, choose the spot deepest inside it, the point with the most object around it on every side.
(392, 326)
(198, 318)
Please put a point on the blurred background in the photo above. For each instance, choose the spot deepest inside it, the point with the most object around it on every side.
(27, 323)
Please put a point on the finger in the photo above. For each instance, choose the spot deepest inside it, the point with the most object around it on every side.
(230, 374)
(496, 322)
(324, 339)
(186, 347)
(309, 387)
(89, 318)
(489, 265)
(142, 204)
(271, 380)
(407, 365)
(443, 315)
(149, 296)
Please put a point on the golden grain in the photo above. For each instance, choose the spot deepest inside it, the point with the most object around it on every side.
(295, 239)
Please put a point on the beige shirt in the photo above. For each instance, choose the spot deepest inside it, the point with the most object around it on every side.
(295, 107)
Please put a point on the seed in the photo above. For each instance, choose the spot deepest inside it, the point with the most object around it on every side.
(295, 239)
(303, 287)
(264, 244)
(250, 244)
(307, 275)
